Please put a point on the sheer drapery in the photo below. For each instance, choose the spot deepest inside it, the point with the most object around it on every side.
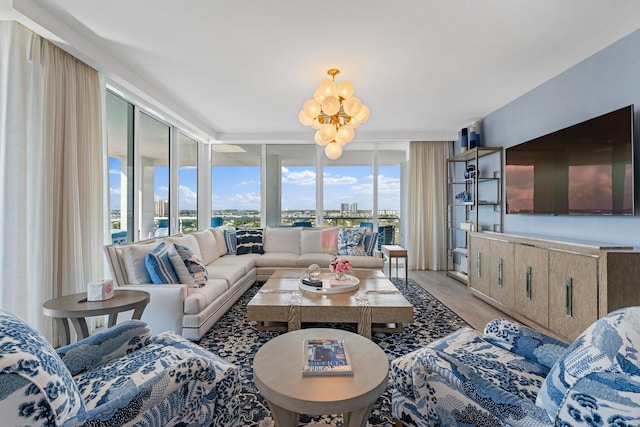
(52, 223)
(428, 204)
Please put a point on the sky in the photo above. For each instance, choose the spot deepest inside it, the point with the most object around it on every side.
(238, 187)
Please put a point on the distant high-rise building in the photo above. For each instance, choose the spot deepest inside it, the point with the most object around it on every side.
(348, 208)
(161, 208)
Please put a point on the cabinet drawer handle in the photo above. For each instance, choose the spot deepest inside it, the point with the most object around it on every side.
(528, 288)
(568, 285)
(500, 272)
(478, 257)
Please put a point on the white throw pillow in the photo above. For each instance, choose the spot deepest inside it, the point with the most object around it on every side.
(311, 242)
(218, 234)
(135, 267)
(282, 239)
(208, 246)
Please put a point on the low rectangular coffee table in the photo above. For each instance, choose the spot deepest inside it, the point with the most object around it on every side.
(376, 306)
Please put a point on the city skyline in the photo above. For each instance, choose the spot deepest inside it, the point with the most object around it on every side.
(342, 184)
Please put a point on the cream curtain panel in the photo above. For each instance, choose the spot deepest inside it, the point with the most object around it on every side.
(52, 216)
(428, 204)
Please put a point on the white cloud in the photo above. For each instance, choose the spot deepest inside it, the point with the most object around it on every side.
(305, 177)
(188, 199)
(340, 180)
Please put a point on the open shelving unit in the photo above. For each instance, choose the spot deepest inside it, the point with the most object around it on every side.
(481, 210)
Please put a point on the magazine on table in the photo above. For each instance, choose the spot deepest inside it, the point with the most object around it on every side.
(323, 356)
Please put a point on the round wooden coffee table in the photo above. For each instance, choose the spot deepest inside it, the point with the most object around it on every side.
(277, 373)
(75, 309)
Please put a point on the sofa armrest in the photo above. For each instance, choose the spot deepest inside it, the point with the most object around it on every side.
(104, 346)
(524, 341)
(612, 397)
(166, 306)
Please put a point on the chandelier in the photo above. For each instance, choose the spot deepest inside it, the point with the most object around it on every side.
(334, 112)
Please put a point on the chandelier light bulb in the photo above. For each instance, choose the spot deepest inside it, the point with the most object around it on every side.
(311, 108)
(327, 88)
(304, 119)
(352, 106)
(318, 139)
(327, 132)
(319, 97)
(345, 90)
(315, 123)
(331, 105)
(333, 150)
(345, 135)
(363, 115)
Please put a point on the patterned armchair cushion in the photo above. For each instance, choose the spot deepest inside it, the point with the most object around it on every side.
(464, 379)
(36, 387)
(604, 397)
(524, 341)
(114, 342)
(127, 379)
(168, 382)
(611, 344)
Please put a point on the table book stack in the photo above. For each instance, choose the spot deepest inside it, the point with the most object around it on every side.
(325, 357)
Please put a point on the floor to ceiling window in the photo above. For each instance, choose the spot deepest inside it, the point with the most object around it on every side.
(348, 189)
(389, 190)
(120, 151)
(187, 184)
(235, 184)
(291, 189)
(154, 211)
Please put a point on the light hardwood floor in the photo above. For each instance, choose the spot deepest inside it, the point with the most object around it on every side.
(457, 297)
(453, 294)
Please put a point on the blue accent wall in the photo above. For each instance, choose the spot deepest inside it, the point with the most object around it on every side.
(604, 82)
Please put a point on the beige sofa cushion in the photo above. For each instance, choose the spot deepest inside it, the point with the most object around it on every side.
(310, 241)
(277, 259)
(186, 240)
(218, 234)
(208, 246)
(230, 273)
(135, 268)
(200, 298)
(282, 239)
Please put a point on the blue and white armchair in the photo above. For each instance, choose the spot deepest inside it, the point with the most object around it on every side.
(515, 376)
(121, 376)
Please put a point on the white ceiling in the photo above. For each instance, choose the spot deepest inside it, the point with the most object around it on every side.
(241, 70)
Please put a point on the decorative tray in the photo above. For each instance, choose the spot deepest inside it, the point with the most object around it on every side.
(330, 285)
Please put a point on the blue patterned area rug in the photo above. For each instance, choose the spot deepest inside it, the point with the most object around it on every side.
(238, 340)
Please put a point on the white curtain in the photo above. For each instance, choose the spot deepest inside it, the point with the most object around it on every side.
(52, 215)
(428, 204)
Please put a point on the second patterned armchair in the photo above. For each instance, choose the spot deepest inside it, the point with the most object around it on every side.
(515, 376)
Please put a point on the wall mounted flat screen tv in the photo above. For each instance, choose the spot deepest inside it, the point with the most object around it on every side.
(585, 169)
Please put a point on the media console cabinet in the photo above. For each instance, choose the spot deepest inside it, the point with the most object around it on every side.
(559, 286)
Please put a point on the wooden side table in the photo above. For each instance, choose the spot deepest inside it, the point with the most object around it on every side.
(395, 251)
(277, 373)
(75, 309)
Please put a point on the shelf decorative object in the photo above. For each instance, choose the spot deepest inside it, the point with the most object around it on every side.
(474, 202)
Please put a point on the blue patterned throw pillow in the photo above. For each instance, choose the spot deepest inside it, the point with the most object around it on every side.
(159, 265)
(195, 265)
(249, 241)
(230, 240)
(350, 241)
(369, 242)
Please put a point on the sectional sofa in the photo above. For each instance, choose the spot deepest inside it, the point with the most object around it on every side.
(229, 262)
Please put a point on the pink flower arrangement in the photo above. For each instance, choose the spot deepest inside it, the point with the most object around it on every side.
(340, 265)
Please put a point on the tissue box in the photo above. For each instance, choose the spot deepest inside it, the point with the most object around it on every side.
(100, 290)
